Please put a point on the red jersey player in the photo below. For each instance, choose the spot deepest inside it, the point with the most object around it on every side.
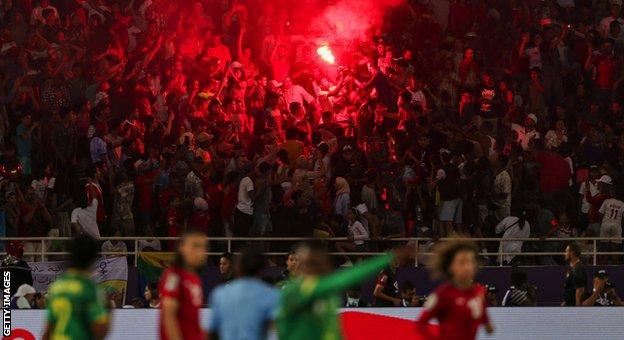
(181, 290)
(458, 305)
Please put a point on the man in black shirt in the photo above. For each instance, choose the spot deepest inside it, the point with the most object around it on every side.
(575, 289)
(386, 293)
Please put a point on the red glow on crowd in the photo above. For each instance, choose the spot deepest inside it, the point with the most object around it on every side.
(326, 54)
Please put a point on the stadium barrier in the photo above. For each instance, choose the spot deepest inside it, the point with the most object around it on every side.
(544, 323)
(43, 244)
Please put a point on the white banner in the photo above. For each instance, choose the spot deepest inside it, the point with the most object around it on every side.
(111, 273)
(521, 323)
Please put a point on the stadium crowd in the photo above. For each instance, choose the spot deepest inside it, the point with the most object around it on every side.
(149, 117)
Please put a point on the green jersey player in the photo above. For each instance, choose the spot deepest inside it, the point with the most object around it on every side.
(75, 308)
(309, 304)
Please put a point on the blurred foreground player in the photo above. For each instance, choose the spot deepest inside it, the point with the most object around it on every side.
(459, 304)
(76, 307)
(309, 304)
(245, 308)
(181, 290)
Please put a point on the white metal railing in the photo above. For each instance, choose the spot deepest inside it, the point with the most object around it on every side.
(416, 241)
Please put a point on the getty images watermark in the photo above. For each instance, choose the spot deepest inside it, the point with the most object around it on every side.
(6, 303)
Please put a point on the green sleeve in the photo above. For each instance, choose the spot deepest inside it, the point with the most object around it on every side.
(96, 309)
(312, 288)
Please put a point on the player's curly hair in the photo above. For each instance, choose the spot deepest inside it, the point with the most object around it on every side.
(443, 253)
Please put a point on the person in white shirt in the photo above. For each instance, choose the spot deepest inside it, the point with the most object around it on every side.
(527, 132)
(512, 227)
(358, 235)
(593, 190)
(605, 23)
(415, 87)
(37, 13)
(243, 214)
(295, 93)
(502, 188)
(114, 246)
(611, 211)
(84, 219)
(557, 136)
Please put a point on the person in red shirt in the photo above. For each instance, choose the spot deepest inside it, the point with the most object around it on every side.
(605, 65)
(174, 223)
(181, 290)
(555, 172)
(200, 218)
(145, 188)
(459, 305)
(94, 191)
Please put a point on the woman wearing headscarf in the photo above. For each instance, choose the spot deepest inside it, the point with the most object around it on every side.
(342, 202)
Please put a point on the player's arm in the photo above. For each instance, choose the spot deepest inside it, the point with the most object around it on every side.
(485, 319)
(170, 307)
(98, 316)
(313, 288)
(215, 318)
(431, 309)
(46, 333)
(345, 279)
(100, 329)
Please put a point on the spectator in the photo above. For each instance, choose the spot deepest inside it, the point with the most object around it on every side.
(575, 290)
(513, 227)
(603, 293)
(110, 246)
(84, 218)
(354, 299)
(24, 298)
(130, 97)
(358, 235)
(490, 296)
(292, 267)
(448, 186)
(604, 193)
(20, 270)
(25, 133)
(342, 201)
(226, 267)
(408, 295)
(122, 216)
(243, 215)
(151, 296)
(521, 293)
(611, 211)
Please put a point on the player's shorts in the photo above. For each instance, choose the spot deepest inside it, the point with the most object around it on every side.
(451, 211)
(611, 230)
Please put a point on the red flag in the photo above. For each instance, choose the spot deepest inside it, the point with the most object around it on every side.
(367, 326)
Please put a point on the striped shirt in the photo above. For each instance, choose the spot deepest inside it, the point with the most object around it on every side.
(515, 297)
